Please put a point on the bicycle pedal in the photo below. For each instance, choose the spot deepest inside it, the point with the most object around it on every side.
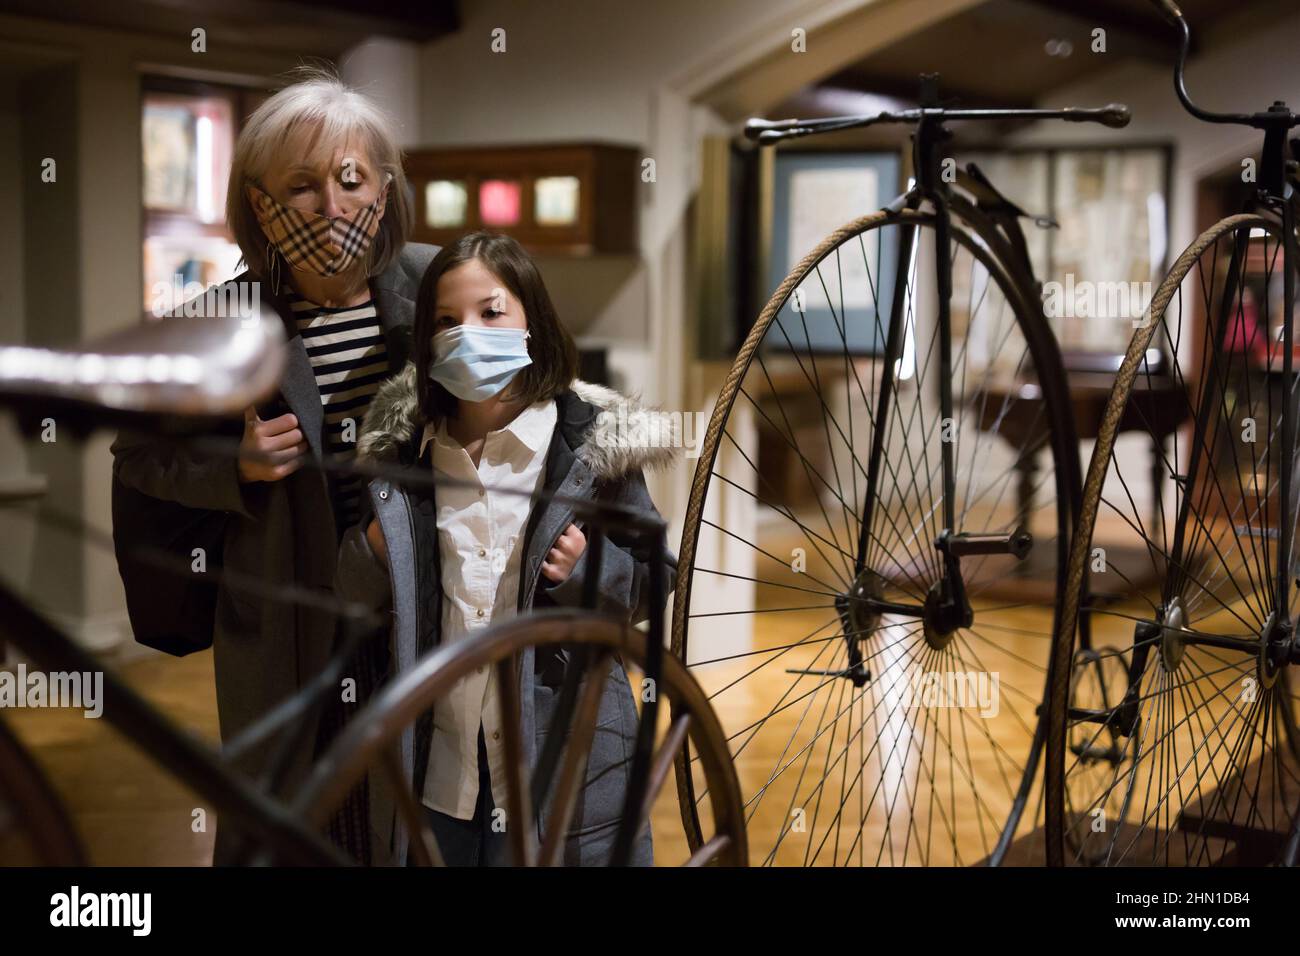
(1090, 752)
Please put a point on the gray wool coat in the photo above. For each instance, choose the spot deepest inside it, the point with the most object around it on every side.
(583, 461)
(279, 532)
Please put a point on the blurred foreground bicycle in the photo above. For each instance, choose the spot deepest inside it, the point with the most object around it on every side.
(178, 377)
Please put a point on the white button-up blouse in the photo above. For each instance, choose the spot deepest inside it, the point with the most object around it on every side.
(480, 543)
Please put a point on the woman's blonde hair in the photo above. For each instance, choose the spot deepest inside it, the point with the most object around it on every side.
(316, 100)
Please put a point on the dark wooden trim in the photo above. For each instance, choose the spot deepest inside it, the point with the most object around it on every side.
(608, 177)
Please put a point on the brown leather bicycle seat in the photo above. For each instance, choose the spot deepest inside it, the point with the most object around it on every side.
(174, 366)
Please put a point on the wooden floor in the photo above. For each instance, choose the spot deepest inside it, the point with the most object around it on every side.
(128, 812)
(831, 773)
(922, 786)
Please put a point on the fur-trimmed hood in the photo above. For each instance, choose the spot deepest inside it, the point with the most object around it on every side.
(621, 436)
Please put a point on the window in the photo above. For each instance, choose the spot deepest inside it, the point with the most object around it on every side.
(1111, 205)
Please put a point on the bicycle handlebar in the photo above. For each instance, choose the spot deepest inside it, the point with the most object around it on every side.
(1169, 10)
(1279, 116)
(1114, 115)
(766, 132)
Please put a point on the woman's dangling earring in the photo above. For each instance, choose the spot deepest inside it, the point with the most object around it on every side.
(273, 269)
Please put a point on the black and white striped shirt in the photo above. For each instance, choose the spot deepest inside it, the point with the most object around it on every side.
(348, 356)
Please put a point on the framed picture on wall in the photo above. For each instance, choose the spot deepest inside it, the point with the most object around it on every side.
(813, 194)
(1111, 206)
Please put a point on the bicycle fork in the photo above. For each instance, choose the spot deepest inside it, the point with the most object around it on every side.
(946, 607)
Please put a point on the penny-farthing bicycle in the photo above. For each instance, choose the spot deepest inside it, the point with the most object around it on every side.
(902, 588)
(1179, 725)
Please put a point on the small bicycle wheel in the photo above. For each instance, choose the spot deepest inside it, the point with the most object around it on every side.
(543, 805)
(1180, 734)
(1098, 681)
(868, 726)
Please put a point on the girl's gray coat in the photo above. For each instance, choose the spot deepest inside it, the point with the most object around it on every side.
(586, 458)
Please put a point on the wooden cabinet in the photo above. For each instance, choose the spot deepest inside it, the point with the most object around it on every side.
(568, 199)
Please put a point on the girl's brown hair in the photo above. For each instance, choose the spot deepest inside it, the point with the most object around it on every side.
(554, 356)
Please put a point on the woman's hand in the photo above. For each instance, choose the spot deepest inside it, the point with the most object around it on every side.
(564, 555)
(275, 447)
(375, 537)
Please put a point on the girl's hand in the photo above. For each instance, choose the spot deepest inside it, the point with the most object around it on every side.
(561, 558)
(375, 537)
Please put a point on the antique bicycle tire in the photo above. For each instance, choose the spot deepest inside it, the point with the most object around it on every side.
(982, 808)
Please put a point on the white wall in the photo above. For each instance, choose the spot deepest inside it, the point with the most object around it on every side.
(18, 532)
(388, 71)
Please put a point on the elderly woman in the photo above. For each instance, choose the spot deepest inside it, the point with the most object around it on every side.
(318, 203)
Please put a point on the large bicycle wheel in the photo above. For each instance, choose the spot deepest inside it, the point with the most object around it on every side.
(1180, 725)
(542, 805)
(867, 726)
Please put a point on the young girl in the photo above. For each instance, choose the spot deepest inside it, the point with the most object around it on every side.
(491, 400)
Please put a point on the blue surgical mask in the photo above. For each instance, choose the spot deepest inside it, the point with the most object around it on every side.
(474, 362)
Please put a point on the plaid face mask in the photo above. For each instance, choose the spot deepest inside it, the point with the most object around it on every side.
(316, 243)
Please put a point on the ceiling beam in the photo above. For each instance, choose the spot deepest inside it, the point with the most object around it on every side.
(908, 88)
(324, 27)
(395, 18)
(748, 82)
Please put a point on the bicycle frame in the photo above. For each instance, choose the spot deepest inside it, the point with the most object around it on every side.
(173, 748)
(1275, 195)
(994, 221)
(997, 226)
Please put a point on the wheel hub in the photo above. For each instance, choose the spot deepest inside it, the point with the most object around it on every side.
(1276, 649)
(942, 617)
(858, 613)
(1172, 642)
